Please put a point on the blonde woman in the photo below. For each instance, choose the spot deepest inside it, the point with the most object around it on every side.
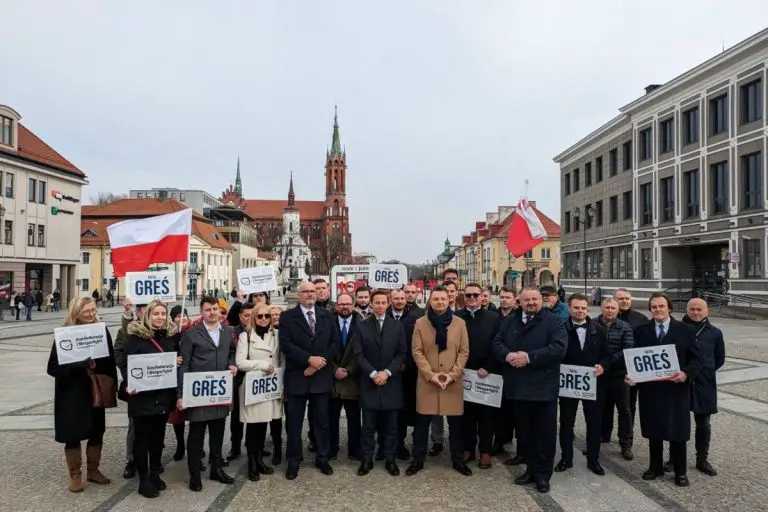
(276, 310)
(258, 350)
(75, 418)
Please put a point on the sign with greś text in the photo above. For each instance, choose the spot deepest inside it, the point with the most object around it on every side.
(578, 382)
(80, 342)
(205, 389)
(260, 387)
(646, 364)
(144, 287)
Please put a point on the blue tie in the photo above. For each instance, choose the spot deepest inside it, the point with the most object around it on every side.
(344, 333)
(661, 333)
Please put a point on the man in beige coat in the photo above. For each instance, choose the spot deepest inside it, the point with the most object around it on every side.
(440, 350)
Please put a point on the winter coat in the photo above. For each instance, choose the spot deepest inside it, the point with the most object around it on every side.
(561, 310)
(431, 399)
(74, 417)
(481, 330)
(544, 339)
(349, 387)
(201, 355)
(709, 340)
(634, 318)
(619, 337)
(380, 350)
(160, 401)
(255, 354)
(665, 406)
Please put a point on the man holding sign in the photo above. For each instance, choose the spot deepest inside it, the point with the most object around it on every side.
(665, 405)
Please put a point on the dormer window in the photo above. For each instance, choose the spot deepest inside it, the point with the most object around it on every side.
(6, 131)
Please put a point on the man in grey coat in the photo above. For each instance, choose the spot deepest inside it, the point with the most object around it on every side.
(207, 347)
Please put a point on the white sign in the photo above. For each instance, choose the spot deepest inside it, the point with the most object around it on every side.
(578, 382)
(205, 389)
(144, 287)
(390, 277)
(487, 391)
(651, 363)
(147, 372)
(260, 387)
(80, 342)
(256, 279)
(348, 278)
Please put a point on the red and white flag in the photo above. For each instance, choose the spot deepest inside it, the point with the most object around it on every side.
(526, 230)
(136, 244)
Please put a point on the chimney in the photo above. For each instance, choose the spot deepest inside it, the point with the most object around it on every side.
(649, 89)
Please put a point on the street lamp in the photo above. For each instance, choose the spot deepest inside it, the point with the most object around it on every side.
(589, 213)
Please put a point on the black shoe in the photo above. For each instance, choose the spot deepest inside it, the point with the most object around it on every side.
(542, 486)
(682, 481)
(563, 465)
(514, 461)
(157, 481)
(312, 448)
(596, 468)
(392, 468)
(652, 475)
(626, 452)
(365, 467)
(669, 467)
(129, 471)
(233, 454)
(414, 468)
(253, 471)
(462, 468)
(324, 468)
(436, 449)
(218, 475)
(179, 453)
(277, 457)
(263, 468)
(403, 453)
(195, 483)
(147, 489)
(705, 467)
(291, 472)
(525, 479)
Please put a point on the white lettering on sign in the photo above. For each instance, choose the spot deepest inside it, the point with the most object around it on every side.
(390, 277)
(646, 364)
(487, 391)
(147, 372)
(144, 287)
(260, 387)
(80, 342)
(256, 279)
(578, 382)
(205, 389)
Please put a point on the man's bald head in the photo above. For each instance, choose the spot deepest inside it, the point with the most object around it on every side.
(697, 309)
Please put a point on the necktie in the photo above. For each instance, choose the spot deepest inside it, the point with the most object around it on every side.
(397, 317)
(661, 333)
(525, 319)
(344, 334)
(311, 321)
(381, 325)
(581, 326)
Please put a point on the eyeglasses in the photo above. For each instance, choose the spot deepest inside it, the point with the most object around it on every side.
(87, 312)
(471, 295)
(262, 316)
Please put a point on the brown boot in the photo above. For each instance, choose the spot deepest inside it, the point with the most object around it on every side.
(74, 457)
(485, 461)
(93, 457)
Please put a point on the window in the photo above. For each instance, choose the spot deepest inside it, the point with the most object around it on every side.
(594, 263)
(599, 213)
(627, 155)
(621, 262)
(546, 253)
(528, 255)
(32, 190)
(598, 169)
(646, 144)
(691, 126)
(576, 224)
(646, 203)
(613, 209)
(613, 162)
(182, 196)
(86, 257)
(41, 186)
(138, 195)
(719, 173)
(575, 180)
(573, 265)
(691, 191)
(667, 199)
(567, 184)
(567, 222)
(752, 180)
(31, 235)
(667, 135)
(84, 285)
(41, 238)
(718, 115)
(8, 232)
(627, 201)
(587, 174)
(9, 185)
(752, 258)
(587, 217)
(193, 258)
(646, 264)
(6, 131)
(751, 102)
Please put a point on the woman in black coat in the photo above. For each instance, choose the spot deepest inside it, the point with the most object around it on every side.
(154, 333)
(75, 418)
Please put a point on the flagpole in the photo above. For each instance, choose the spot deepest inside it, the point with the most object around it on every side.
(186, 287)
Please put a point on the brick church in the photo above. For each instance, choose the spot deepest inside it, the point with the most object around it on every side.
(323, 225)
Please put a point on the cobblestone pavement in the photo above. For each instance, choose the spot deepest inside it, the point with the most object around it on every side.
(35, 478)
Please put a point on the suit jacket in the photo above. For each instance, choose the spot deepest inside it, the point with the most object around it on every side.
(348, 388)
(297, 344)
(596, 349)
(379, 350)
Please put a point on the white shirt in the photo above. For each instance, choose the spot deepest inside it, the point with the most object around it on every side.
(214, 333)
(473, 311)
(397, 315)
(581, 333)
(666, 327)
(381, 322)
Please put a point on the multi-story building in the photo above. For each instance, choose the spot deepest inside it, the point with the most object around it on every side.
(671, 193)
(40, 193)
(199, 200)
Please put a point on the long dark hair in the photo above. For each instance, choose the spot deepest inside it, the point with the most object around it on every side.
(233, 316)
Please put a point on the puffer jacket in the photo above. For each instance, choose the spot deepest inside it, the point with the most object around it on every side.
(619, 337)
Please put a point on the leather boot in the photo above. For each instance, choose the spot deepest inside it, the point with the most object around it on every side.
(74, 457)
(277, 455)
(93, 457)
(263, 468)
(253, 470)
(178, 429)
(147, 488)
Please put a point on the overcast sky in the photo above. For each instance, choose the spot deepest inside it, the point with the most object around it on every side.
(445, 106)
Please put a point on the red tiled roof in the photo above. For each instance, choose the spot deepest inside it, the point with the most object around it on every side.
(32, 148)
(97, 227)
(273, 209)
(210, 235)
(136, 208)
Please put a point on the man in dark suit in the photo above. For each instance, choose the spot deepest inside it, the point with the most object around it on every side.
(309, 341)
(346, 382)
(379, 345)
(407, 415)
(587, 346)
(486, 301)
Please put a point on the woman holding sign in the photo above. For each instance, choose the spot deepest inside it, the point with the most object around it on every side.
(258, 354)
(76, 416)
(153, 339)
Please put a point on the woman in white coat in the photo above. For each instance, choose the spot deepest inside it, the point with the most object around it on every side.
(258, 350)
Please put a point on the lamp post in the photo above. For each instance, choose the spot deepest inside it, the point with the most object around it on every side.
(588, 214)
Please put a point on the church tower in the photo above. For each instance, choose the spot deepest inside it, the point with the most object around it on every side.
(336, 222)
(238, 183)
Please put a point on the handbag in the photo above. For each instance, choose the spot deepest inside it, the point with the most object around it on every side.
(104, 390)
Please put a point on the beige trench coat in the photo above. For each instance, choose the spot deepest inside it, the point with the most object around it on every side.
(431, 399)
(255, 354)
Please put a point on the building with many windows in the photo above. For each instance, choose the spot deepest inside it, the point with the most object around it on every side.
(199, 200)
(671, 193)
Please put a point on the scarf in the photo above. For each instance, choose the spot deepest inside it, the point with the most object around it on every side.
(440, 323)
(696, 325)
(261, 331)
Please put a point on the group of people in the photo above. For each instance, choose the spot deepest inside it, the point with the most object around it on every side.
(391, 365)
(23, 303)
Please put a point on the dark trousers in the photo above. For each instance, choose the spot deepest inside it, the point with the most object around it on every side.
(195, 441)
(677, 452)
(703, 435)
(149, 436)
(537, 428)
(294, 420)
(354, 428)
(592, 417)
(235, 425)
(402, 428)
(255, 435)
(477, 427)
(421, 437)
(633, 403)
(276, 433)
(385, 423)
(617, 394)
(310, 431)
(504, 429)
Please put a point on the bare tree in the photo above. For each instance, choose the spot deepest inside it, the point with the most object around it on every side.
(106, 197)
(332, 251)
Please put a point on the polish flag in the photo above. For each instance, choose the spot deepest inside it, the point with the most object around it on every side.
(136, 244)
(526, 230)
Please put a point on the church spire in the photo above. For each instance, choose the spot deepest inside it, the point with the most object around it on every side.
(336, 142)
(238, 183)
(291, 194)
